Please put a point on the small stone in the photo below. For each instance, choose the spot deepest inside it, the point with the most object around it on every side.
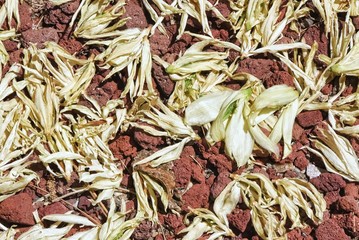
(137, 16)
(84, 203)
(301, 162)
(39, 36)
(349, 204)
(70, 7)
(312, 171)
(309, 118)
(143, 231)
(349, 222)
(17, 209)
(331, 197)
(352, 189)
(219, 184)
(330, 230)
(356, 22)
(26, 20)
(196, 197)
(54, 208)
(296, 234)
(71, 45)
(147, 141)
(239, 218)
(175, 222)
(328, 182)
(10, 46)
(298, 131)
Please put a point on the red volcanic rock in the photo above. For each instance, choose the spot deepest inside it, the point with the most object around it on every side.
(239, 218)
(17, 209)
(54, 208)
(39, 36)
(352, 189)
(147, 141)
(349, 204)
(330, 230)
(309, 118)
(328, 182)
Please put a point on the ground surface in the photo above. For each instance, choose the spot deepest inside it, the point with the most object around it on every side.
(206, 168)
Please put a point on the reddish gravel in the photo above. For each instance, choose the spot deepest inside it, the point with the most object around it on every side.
(159, 43)
(219, 184)
(298, 234)
(331, 197)
(352, 189)
(174, 222)
(316, 34)
(10, 46)
(84, 203)
(239, 219)
(54, 208)
(349, 204)
(202, 171)
(301, 162)
(165, 84)
(215, 155)
(39, 36)
(330, 230)
(328, 182)
(143, 231)
(17, 209)
(309, 118)
(298, 132)
(147, 141)
(70, 7)
(196, 197)
(136, 14)
(188, 168)
(349, 222)
(355, 143)
(16, 56)
(26, 19)
(270, 71)
(71, 45)
(123, 148)
(356, 22)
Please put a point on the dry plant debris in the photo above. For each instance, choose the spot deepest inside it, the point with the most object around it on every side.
(53, 116)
